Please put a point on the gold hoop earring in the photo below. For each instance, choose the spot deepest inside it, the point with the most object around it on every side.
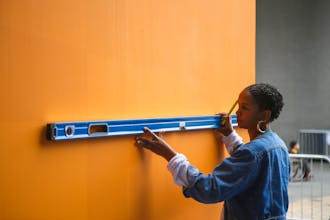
(259, 129)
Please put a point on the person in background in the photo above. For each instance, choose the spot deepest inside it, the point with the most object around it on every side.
(294, 149)
(253, 180)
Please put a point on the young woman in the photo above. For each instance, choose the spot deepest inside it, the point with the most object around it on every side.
(253, 181)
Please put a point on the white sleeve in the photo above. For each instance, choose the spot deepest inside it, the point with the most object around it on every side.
(232, 141)
(178, 166)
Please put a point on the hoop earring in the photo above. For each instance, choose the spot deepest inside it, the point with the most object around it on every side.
(259, 129)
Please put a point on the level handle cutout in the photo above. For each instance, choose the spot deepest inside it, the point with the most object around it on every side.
(98, 129)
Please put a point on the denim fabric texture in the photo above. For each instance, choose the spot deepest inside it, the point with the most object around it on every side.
(253, 181)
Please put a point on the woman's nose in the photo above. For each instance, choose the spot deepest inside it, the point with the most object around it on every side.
(237, 112)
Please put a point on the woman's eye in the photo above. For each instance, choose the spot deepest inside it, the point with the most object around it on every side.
(245, 108)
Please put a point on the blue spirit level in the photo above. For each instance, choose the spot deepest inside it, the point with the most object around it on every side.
(92, 129)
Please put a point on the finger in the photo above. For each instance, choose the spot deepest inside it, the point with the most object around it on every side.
(142, 140)
(222, 113)
(224, 119)
(145, 143)
(217, 130)
(152, 134)
(139, 141)
(161, 134)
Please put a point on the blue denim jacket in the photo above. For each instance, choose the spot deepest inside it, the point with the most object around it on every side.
(253, 181)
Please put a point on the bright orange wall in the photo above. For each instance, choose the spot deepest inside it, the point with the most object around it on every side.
(73, 60)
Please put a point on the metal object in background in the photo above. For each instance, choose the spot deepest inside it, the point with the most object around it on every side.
(309, 198)
(314, 142)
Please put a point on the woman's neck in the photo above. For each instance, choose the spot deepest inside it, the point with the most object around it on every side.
(253, 134)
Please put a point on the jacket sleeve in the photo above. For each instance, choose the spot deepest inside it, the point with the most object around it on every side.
(234, 175)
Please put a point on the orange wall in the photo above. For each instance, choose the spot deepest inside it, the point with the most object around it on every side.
(69, 60)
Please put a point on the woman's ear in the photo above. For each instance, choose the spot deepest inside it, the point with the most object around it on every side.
(266, 115)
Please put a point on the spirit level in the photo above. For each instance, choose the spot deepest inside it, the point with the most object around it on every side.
(77, 130)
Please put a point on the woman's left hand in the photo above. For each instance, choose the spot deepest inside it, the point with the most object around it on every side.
(156, 144)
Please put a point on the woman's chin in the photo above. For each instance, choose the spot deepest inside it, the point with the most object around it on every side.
(240, 125)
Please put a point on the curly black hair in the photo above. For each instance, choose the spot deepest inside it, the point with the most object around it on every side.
(267, 98)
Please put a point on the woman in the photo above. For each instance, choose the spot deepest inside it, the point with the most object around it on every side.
(253, 181)
(306, 170)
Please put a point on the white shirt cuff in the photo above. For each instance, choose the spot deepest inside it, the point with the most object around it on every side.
(178, 167)
(232, 141)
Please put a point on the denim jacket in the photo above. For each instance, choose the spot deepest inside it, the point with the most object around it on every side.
(253, 181)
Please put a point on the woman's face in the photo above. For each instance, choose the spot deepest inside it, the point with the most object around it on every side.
(248, 113)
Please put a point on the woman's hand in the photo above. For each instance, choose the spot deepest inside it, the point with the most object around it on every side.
(156, 144)
(225, 127)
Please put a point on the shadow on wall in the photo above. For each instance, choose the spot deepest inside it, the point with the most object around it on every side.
(138, 176)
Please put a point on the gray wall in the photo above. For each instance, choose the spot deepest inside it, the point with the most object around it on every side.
(293, 53)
